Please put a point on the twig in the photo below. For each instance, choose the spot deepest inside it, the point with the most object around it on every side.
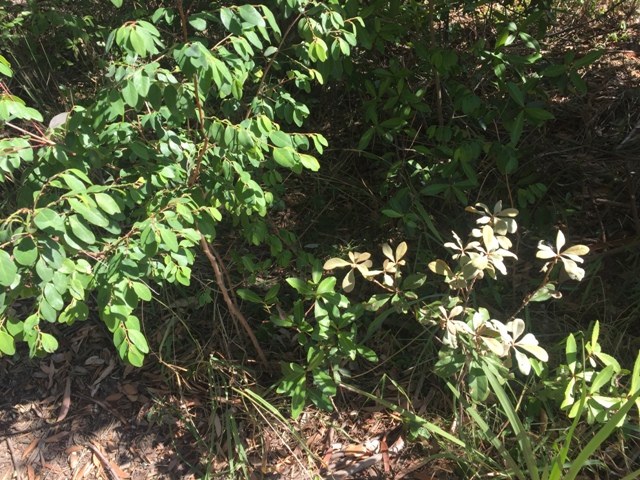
(17, 466)
(195, 172)
(272, 59)
(530, 295)
(104, 460)
(43, 140)
(104, 406)
(233, 308)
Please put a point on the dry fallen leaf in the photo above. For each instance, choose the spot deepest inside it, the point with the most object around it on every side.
(73, 460)
(105, 373)
(66, 401)
(129, 389)
(30, 448)
(57, 437)
(94, 360)
(83, 472)
(114, 397)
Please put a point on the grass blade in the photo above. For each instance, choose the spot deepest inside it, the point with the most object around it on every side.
(604, 433)
(407, 414)
(495, 441)
(516, 424)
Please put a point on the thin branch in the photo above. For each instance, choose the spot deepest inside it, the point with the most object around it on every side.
(195, 172)
(544, 282)
(272, 59)
(231, 305)
(43, 140)
(105, 461)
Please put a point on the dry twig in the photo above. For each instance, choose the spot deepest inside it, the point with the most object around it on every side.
(105, 461)
(211, 254)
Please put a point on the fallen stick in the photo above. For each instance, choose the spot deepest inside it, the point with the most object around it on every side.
(231, 305)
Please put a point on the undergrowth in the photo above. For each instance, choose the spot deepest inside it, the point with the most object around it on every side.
(219, 174)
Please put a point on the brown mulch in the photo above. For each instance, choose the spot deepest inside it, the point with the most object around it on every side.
(82, 414)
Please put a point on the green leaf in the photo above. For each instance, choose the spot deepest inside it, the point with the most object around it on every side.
(515, 93)
(285, 157)
(43, 270)
(8, 269)
(539, 114)
(571, 350)
(117, 3)
(249, 296)
(299, 285)
(74, 184)
(130, 94)
(80, 230)
(588, 59)
(326, 286)
(26, 252)
(554, 71)
(298, 397)
(545, 293)
(134, 356)
(366, 138)
(169, 239)
(5, 67)
(601, 379)
(47, 218)
(138, 339)
(91, 215)
(245, 138)
(516, 129)
(321, 49)
(478, 384)
(578, 82)
(226, 16)
(142, 291)
(250, 15)
(7, 344)
(309, 162)
(272, 294)
(75, 311)
(198, 23)
(280, 139)
(270, 51)
(76, 289)
(53, 297)
(48, 342)
(142, 84)
(137, 42)
(107, 203)
(635, 379)
(414, 280)
(387, 212)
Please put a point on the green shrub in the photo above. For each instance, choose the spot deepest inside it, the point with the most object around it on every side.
(190, 133)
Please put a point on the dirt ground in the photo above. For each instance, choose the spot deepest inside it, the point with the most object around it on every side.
(81, 414)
